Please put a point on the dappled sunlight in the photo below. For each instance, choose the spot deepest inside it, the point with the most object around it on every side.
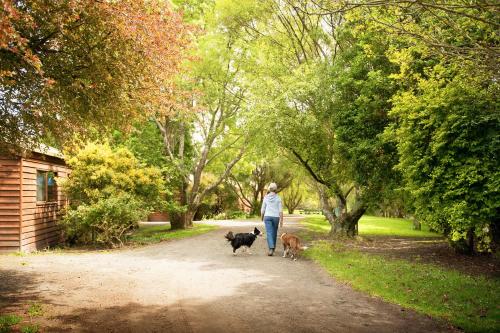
(122, 277)
(197, 285)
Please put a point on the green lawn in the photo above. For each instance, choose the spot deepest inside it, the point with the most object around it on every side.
(470, 303)
(155, 234)
(374, 226)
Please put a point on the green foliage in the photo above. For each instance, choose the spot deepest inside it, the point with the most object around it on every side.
(360, 89)
(105, 221)
(426, 75)
(470, 303)
(194, 10)
(324, 98)
(222, 199)
(204, 134)
(293, 196)
(145, 142)
(109, 192)
(7, 321)
(99, 171)
(150, 235)
(447, 130)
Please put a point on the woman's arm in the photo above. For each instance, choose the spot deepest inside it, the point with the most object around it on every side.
(280, 206)
(263, 209)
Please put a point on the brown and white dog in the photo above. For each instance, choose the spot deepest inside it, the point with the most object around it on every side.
(291, 243)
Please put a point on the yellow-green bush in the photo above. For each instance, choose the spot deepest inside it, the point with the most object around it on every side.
(109, 192)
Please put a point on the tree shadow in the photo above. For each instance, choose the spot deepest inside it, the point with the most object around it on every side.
(246, 310)
(132, 317)
(432, 250)
(17, 289)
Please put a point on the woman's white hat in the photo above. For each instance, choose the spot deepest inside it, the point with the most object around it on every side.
(272, 187)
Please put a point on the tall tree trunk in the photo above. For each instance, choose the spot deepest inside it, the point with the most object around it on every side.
(347, 223)
(184, 219)
(181, 220)
(327, 209)
(255, 210)
(465, 245)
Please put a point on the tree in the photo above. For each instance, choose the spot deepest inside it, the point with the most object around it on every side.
(448, 135)
(453, 30)
(71, 67)
(444, 116)
(144, 140)
(221, 202)
(292, 197)
(249, 183)
(206, 130)
(325, 98)
(376, 99)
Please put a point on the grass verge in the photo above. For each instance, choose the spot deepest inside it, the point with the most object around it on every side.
(373, 226)
(150, 235)
(467, 302)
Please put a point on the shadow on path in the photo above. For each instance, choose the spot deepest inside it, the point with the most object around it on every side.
(17, 288)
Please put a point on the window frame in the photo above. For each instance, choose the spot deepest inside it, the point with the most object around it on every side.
(46, 186)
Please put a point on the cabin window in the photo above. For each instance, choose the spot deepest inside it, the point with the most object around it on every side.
(46, 187)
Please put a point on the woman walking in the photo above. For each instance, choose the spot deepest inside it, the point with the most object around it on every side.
(272, 214)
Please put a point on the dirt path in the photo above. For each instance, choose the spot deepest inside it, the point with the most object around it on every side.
(194, 285)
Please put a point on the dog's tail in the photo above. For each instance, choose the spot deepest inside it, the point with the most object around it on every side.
(229, 236)
(302, 247)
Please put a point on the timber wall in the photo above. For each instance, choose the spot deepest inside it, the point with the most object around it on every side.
(10, 204)
(39, 227)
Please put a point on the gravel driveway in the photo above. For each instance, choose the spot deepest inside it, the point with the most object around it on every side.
(194, 285)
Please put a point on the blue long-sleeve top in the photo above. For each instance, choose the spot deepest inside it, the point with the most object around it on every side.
(271, 206)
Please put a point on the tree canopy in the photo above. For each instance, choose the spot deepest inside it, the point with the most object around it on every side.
(74, 66)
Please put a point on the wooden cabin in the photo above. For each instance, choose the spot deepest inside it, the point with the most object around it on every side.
(30, 200)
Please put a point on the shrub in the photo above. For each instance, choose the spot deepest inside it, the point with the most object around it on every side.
(109, 192)
(105, 221)
(230, 215)
(7, 321)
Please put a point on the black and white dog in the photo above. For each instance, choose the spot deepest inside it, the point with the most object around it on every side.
(242, 239)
